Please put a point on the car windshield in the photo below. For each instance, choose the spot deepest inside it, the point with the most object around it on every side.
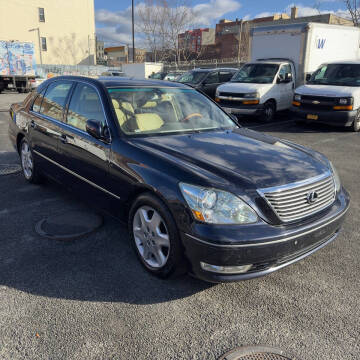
(149, 111)
(192, 77)
(337, 74)
(256, 73)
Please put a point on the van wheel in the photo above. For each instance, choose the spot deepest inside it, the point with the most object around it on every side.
(356, 123)
(155, 237)
(269, 111)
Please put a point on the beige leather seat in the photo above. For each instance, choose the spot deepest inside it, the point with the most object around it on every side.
(149, 121)
(119, 113)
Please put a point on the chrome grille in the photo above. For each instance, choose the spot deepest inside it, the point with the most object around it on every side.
(292, 202)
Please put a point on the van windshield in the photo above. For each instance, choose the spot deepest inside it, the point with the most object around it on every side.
(256, 73)
(337, 74)
(148, 111)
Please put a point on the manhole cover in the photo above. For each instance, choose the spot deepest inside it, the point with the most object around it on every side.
(7, 169)
(256, 353)
(68, 225)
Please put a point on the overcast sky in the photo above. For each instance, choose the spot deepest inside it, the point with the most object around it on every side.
(113, 17)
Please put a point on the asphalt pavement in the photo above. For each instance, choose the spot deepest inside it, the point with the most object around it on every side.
(90, 298)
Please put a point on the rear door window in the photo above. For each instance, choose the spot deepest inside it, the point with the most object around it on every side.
(85, 104)
(55, 99)
(213, 78)
(225, 76)
(37, 103)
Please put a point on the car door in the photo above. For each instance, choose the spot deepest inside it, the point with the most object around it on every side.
(210, 83)
(83, 157)
(46, 115)
(286, 88)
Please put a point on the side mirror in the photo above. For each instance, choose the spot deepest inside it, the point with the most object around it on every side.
(288, 77)
(308, 77)
(95, 128)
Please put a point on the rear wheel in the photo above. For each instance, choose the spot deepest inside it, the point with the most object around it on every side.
(155, 237)
(269, 111)
(29, 167)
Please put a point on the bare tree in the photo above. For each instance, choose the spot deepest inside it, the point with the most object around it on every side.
(353, 6)
(161, 22)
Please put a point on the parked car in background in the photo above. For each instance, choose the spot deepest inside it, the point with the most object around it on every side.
(331, 96)
(113, 73)
(158, 76)
(207, 80)
(198, 192)
(173, 75)
(37, 81)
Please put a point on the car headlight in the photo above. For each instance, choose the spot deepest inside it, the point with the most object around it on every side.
(336, 177)
(297, 97)
(345, 101)
(252, 95)
(217, 206)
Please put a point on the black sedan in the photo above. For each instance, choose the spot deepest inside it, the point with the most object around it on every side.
(199, 192)
(207, 80)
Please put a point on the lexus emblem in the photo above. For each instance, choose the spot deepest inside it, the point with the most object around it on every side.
(316, 102)
(312, 197)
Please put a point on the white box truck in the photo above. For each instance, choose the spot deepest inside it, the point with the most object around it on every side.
(142, 70)
(17, 66)
(282, 56)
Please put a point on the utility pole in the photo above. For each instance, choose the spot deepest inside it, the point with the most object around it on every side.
(240, 38)
(133, 32)
(39, 39)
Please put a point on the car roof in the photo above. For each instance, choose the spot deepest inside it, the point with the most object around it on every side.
(346, 62)
(213, 69)
(122, 81)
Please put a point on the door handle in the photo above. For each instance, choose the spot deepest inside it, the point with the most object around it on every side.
(63, 139)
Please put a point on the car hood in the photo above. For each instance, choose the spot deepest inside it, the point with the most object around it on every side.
(240, 156)
(327, 90)
(243, 88)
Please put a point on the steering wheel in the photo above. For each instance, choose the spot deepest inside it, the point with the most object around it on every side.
(187, 118)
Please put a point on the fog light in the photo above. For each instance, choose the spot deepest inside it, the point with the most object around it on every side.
(225, 269)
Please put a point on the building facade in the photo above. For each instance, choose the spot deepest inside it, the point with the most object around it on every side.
(100, 52)
(63, 32)
(194, 40)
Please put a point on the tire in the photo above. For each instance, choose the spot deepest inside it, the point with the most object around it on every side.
(269, 111)
(29, 167)
(155, 237)
(356, 124)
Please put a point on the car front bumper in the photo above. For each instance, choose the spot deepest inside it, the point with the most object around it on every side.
(254, 110)
(334, 117)
(268, 248)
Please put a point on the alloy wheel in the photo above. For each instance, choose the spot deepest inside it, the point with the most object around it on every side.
(151, 237)
(26, 160)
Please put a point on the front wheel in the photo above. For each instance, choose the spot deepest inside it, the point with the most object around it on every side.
(356, 123)
(155, 237)
(269, 111)
(29, 167)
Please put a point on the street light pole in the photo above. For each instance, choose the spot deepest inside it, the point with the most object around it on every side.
(39, 39)
(240, 36)
(133, 32)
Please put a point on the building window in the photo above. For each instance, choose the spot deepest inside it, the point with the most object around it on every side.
(41, 15)
(43, 44)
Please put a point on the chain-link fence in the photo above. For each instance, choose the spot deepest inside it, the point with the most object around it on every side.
(208, 64)
(84, 70)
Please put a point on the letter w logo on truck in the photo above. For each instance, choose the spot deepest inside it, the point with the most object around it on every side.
(320, 43)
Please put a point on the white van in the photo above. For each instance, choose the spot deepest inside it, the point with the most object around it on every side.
(282, 56)
(259, 88)
(331, 96)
